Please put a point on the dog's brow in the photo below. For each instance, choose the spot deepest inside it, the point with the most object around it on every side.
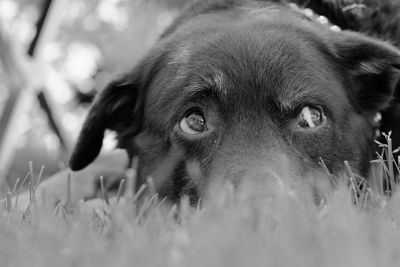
(293, 98)
(218, 79)
(213, 80)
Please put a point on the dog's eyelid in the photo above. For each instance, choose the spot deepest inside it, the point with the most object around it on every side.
(201, 100)
(313, 102)
(188, 108)
(309, 105)
(294, 111)
(194, 109)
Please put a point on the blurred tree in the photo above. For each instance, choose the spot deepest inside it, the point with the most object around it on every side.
(96, 40)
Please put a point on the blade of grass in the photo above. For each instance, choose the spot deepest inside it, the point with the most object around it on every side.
(352, 180)
(102, 192)
(68, 202)
(148, 203)
(31, 170)
(331, 177)
(120, 189)
(390, 159)
(15, 186)
(8, 201)
(19, 189)
(138, 193)
(39, 178)
(151, 187)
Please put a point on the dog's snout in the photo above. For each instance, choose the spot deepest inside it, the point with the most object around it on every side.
(253, 165)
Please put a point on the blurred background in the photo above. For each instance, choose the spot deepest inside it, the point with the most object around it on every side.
(54, 57)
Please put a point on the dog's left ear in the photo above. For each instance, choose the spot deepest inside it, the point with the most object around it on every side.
(373, 74)
(373, 70)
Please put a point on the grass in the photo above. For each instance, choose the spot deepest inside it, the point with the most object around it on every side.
(356, 225)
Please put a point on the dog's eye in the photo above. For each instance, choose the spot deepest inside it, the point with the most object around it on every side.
(310, 117)
(193, 123)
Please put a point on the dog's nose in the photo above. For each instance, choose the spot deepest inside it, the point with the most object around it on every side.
(264, 179)
(265, 185)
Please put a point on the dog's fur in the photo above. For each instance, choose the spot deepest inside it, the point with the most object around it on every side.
(249, 67)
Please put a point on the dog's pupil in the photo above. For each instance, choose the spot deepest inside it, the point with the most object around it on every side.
(196, 122)
(315, 116)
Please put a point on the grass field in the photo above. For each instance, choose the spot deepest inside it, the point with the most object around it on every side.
(246, 227)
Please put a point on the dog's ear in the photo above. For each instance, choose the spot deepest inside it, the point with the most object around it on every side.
(373, 70)
(373, 83)
(118, 108)
(113, 109)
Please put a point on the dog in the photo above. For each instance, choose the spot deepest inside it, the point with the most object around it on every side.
(238, 89)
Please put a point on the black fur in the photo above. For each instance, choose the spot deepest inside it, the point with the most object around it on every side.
(250, 67)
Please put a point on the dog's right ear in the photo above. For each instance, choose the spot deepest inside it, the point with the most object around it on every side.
(113, 109)
(118, 108)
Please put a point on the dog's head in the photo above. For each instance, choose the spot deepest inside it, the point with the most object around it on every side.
(241, 91)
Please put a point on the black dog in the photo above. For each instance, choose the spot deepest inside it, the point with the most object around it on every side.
(239, 88)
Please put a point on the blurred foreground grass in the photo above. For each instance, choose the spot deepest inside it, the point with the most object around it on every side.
(251, 226)
(230, 230)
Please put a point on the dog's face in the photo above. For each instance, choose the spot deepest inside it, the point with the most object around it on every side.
(245, 92)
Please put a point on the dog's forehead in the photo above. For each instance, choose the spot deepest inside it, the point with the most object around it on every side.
(244, 22)
(265, 58)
